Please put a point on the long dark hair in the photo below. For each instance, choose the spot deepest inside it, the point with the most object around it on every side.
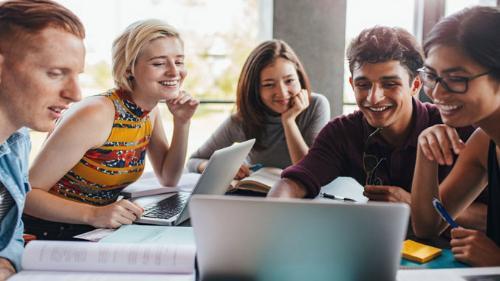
(250, 110)
(476, 31)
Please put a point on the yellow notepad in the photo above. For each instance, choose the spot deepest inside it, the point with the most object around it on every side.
(419, 252)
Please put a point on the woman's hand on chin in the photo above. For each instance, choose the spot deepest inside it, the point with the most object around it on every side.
(298, 103)
(182, 107)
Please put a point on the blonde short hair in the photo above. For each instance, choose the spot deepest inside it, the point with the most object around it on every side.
(127, 47)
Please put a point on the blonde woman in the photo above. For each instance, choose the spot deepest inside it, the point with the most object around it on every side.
(99, 145)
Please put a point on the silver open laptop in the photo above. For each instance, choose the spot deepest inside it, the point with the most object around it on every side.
(220, 170)
(295, 239)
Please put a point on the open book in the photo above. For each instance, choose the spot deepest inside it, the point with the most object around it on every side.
(63, 259)
(261, 180)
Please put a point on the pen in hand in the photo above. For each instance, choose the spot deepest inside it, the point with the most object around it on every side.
(335, 197)
(443, 213)
(255, 167)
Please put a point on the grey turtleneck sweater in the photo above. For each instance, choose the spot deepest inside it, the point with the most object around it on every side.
(275, 154)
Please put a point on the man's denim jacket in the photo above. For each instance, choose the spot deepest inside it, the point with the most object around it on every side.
(14, 154)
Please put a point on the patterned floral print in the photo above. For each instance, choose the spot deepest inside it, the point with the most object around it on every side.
(103, 172)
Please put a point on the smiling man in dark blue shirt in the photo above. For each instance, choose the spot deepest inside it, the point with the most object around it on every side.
(375, 145)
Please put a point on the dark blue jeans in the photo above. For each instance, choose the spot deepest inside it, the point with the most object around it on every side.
(49, 230)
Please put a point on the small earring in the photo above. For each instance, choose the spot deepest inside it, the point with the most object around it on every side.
(130, 78)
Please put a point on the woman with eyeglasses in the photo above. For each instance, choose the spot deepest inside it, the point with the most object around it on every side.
(462, 76)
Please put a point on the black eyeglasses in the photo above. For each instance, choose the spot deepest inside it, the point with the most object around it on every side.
(452, 84)
(371, 162)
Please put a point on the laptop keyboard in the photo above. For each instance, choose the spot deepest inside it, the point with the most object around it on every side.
(168, 207)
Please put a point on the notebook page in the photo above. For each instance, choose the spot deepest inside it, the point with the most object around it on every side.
(148, 185)
(267, 176)
(345, 187)
(108, 257)
(85, 276)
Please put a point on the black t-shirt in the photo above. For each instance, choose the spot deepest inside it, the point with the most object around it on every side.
(6, 201)
(493, 226)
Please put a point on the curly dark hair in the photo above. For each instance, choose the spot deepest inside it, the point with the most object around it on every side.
(381, 44)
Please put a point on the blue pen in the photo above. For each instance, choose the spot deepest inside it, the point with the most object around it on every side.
(256, 167)
(443, 213)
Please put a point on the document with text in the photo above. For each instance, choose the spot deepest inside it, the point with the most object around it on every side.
(59, 257)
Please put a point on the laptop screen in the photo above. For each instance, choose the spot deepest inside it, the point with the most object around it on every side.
(278, 239)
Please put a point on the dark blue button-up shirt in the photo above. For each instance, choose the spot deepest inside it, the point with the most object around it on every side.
(14, 154)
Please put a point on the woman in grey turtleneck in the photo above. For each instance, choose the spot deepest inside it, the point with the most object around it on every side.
(274, 105)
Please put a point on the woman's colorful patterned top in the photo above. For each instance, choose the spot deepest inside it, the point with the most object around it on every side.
(103, 172)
